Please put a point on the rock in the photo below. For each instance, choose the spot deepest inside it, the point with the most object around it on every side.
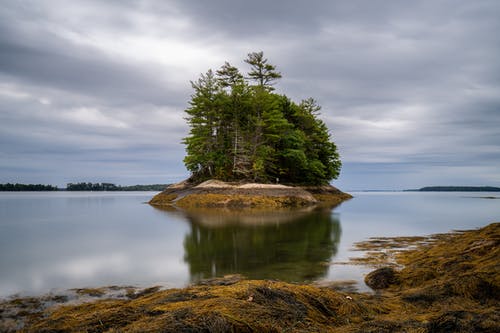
(382, 278)
(218, 194)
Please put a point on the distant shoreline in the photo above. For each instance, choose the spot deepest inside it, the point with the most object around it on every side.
(456, 189)
(109, 187)
(75, 187)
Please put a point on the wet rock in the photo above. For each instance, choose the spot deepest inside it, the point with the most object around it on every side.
(218, 194)
(453, 321)
(226, 280)
(382, 278)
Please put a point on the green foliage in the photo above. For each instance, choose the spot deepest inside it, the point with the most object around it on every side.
(26, 187)
(112, 187)
(240, 131)
(265, 74)
(81, 187)
(460, 189)
(295, 253)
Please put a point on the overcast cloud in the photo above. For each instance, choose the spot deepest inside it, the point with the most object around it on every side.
(95, 90)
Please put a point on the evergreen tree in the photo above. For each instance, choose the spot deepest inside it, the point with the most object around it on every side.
(265, 74)
(244, 132)
(229, 76)
(204, 144)
(237, 108)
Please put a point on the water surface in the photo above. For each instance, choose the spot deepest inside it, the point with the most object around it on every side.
(61, 240)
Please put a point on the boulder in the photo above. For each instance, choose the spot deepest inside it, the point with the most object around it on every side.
(382, 278)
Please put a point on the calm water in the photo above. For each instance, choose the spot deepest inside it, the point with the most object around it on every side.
(61, 240)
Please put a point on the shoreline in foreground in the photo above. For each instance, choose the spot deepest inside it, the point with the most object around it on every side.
(448, 283)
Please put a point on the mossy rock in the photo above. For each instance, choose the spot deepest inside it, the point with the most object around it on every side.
(461, 296)
(218, 194)
(382, 278)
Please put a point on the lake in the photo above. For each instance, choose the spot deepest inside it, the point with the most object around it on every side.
(51, 241)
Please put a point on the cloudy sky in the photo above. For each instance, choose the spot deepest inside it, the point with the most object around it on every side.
(95, 90)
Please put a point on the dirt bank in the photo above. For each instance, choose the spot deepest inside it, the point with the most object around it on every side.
(450, 283)
(217, 194)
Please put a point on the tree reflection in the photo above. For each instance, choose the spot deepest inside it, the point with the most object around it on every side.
(292, 246)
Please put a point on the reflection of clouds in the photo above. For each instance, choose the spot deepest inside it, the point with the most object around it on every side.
(133, 267)
(46, 243)
(167, 269)
(389, 214)
(221, 217)
(71, 240)
(92, 266)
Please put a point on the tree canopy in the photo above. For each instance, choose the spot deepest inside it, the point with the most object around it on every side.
(240, 129)
(26, 187)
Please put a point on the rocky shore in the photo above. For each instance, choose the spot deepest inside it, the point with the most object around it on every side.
(218, 194)
(447, 283)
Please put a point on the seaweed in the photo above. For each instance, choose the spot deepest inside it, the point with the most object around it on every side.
(447, 284)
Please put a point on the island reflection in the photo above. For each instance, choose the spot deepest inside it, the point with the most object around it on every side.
(288, 245)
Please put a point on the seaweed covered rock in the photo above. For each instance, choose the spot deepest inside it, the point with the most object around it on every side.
(465, 322)
(382, 278)
(218, 194)
(241, 306)
(462, 295)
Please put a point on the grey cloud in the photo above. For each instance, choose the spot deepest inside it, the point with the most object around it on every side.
(406, 88)
(255, 18)
(258, 18)
(81, 70)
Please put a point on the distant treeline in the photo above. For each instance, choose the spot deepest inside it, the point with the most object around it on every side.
(81, 187)
(459, 189)
(113, 187)
(26, 187)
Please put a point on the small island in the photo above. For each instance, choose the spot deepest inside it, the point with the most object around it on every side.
(251, 147)
(218, 194)
(459, 189)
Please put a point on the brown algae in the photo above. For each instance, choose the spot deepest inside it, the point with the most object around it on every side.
(217, 194)
(449, 283)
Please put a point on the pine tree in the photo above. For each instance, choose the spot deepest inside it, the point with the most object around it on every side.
(203, 117)
(265, 74)
(244, 132)
(238, 97)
